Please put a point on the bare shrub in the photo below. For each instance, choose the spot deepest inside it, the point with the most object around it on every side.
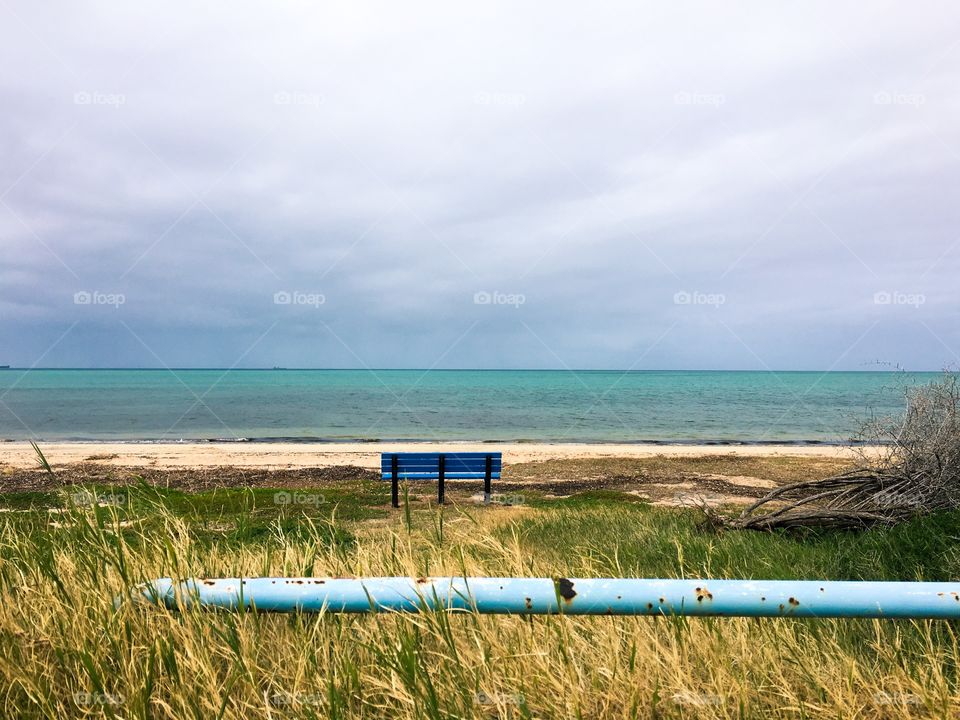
(906, 465)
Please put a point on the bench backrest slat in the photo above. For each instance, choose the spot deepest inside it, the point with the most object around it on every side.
(426, 466)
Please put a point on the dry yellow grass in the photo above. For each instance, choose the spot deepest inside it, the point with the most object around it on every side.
(65, 651)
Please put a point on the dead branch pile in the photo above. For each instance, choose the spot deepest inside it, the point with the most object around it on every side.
(906, 466)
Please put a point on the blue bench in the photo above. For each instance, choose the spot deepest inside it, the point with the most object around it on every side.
(440, 466)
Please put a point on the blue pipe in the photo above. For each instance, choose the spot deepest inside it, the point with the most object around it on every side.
(572, 596)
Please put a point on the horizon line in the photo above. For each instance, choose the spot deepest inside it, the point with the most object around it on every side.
(463, 369)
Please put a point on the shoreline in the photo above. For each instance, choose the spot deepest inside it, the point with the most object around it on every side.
(295, 440)
(292, 455)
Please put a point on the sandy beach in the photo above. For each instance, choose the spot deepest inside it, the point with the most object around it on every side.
(279, 456)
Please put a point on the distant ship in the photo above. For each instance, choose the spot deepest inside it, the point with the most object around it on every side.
(4, 367)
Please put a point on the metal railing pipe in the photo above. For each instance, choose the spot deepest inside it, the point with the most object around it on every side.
(573, 596)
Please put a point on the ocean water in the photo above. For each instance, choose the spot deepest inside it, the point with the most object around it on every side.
(475, 405)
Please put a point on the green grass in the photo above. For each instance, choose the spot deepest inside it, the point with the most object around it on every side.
(229, 516)
(66, 651)
(624, 537)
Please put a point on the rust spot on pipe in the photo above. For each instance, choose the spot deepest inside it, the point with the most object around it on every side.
(793, 601)
(209, 582)
(662, 600)
(565, 589)
(529, 603)
(421, 580)
(703, 594)
(763, 598)
(649, 606)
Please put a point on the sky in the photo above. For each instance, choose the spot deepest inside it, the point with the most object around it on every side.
(500, 185)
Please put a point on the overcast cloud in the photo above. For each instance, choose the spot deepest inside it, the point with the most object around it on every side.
(712, 185)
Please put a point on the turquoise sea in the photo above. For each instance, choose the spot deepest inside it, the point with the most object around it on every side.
(476, 405)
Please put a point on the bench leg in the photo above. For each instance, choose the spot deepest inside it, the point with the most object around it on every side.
(486, 480)
(441, 471)
(394, 483)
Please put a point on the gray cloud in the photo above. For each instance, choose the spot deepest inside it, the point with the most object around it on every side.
(699, 186)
